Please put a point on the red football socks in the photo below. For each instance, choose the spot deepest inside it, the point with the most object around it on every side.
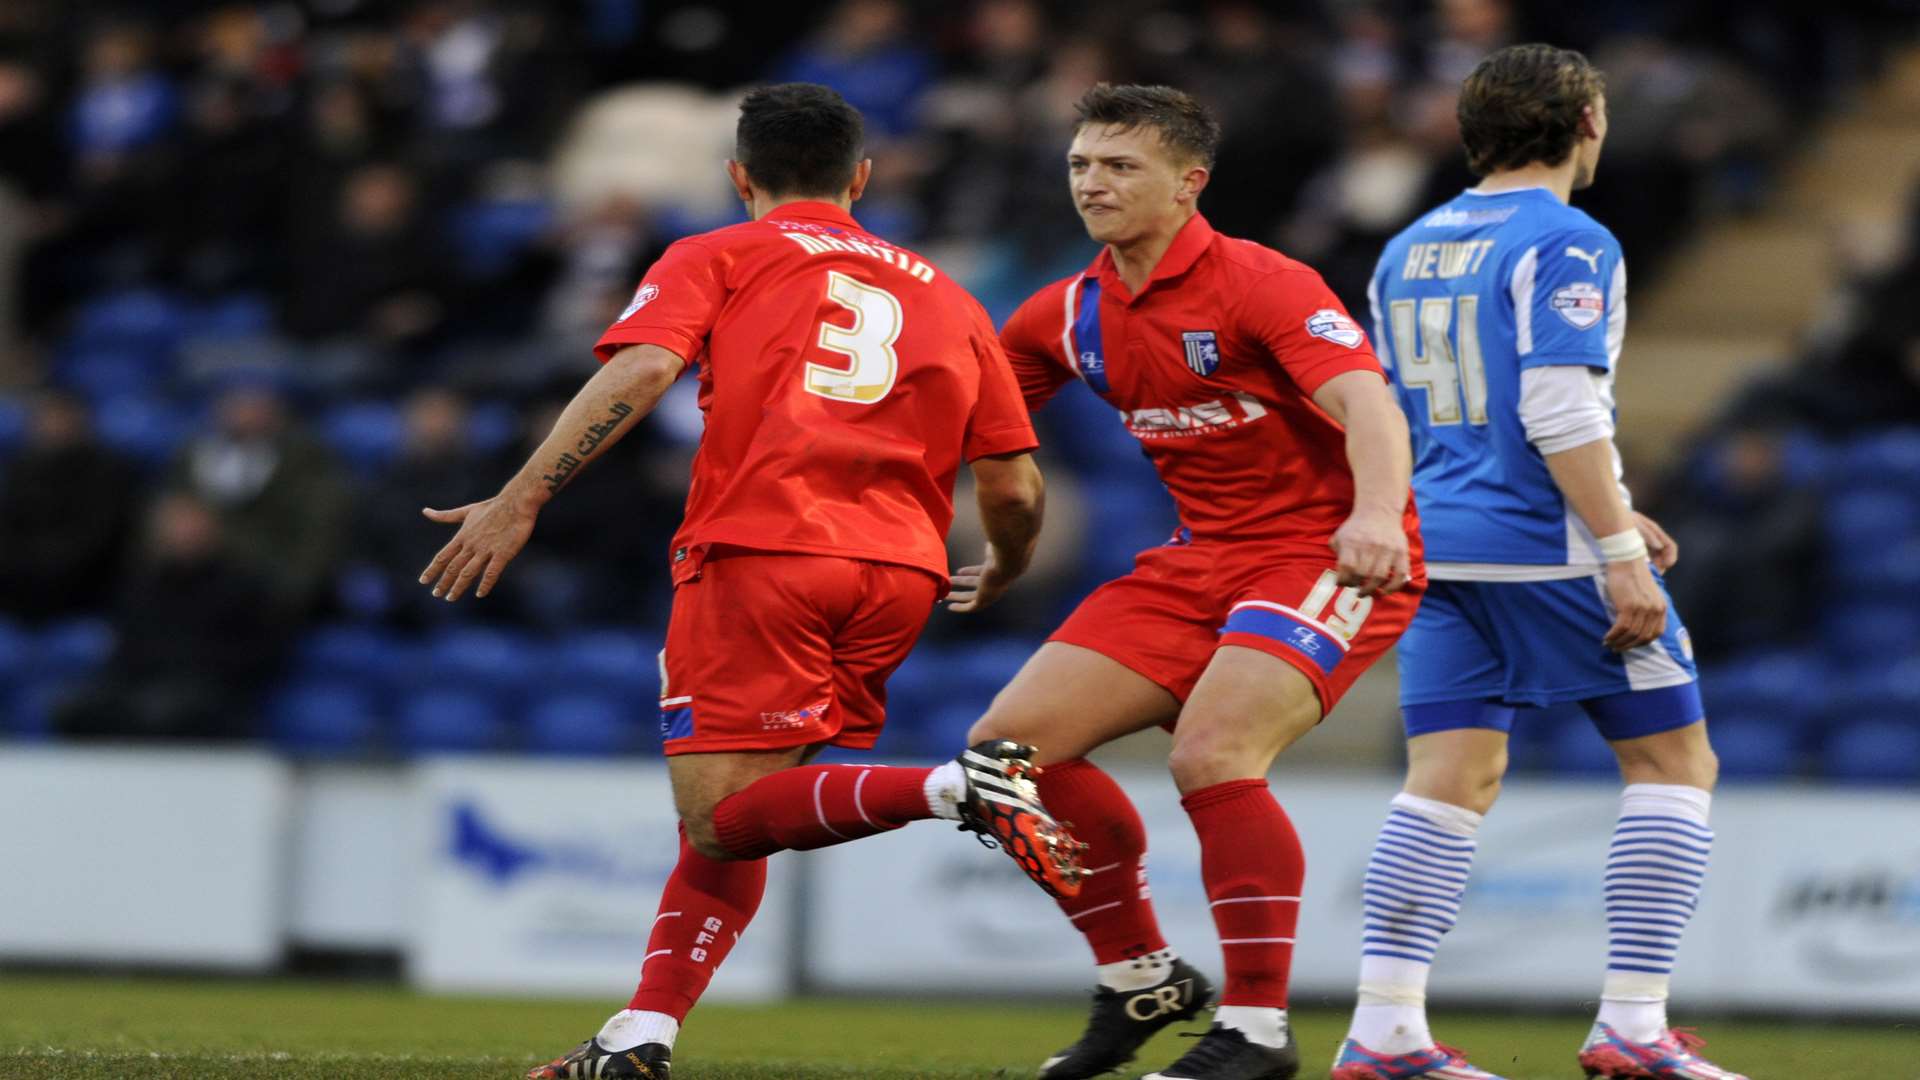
(1251, 861)
(1114, 909)
(705, 906)
(816, 806)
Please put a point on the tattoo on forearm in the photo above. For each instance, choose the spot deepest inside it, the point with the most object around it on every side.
(568, 463)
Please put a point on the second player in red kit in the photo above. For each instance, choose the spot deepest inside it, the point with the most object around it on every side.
(1295, 566)
(844, 381)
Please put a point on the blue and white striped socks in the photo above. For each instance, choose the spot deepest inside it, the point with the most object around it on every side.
(1654, 871)
(1412, 896)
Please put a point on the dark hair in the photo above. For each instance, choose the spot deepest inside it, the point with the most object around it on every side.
(1523, 104)
(798, 139)
(1184, 124)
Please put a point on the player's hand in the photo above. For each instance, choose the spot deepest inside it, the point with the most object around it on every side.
(1664, 550)
(1371, 552)
(1639, 607)
(977, 587)
(491, 533)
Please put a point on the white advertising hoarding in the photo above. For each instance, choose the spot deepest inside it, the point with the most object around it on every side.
(1813, 903)
(544, 877)
(143, 856)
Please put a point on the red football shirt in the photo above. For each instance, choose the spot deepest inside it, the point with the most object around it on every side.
(1213, 367)
(843, 381)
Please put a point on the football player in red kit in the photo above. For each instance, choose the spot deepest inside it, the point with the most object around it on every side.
(844, 381)
(1295, 566)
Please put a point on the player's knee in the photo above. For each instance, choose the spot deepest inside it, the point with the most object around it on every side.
(703, 838)
(1198, 763)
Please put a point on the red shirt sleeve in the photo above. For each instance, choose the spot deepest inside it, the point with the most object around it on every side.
(999, 424)
(675, 305)
(1306, 328)
(1030, 339)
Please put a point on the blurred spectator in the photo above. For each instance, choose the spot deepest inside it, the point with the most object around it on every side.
(369, 272)
(1748, 533)
(436, 467)
(281, 500)
(865, 52)
(194, 645)
(124, 104)
(67, 505)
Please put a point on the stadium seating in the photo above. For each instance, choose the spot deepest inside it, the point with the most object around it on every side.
(1758, 748)
(140, 318)
(147, 429)
(324, 719)
(624, 664)
(451, 721)
(366, 434)
(13, 424)
(589, 724)
(375, 660)
(72, 649)
(1884, 749)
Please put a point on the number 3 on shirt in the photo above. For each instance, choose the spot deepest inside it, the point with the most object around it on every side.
(877, 319)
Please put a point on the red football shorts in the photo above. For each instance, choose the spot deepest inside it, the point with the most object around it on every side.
(1183, 601)
(769, 651)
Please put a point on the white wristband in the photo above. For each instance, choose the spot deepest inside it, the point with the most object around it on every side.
(1623, 546)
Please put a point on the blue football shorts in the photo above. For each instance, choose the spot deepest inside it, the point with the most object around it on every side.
(1477, 650)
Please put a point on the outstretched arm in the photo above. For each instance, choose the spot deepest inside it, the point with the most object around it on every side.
(493, 531)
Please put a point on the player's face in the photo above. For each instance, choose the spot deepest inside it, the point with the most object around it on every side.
(1587, 153)
(1126, 183)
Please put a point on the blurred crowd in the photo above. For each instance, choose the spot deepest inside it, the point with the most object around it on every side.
(275, 275)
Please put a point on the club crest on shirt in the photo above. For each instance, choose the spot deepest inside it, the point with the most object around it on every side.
(1203, 351)
(641, 298)
(1334, 326)
(1580, 303)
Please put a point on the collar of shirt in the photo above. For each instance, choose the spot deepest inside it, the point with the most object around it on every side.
(811, 210)
(1188, 245)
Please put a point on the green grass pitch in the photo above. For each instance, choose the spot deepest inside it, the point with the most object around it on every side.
(89, 1028)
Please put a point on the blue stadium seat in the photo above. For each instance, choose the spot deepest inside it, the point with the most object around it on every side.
(13, 424)
(490, 235)
(103, 372)
(492, 426)
(147, 429)
(1806, 459)
(1756, 749)
(1086, 431)
(500, 662)
(592, 725)
(1778, 684)
(449, 720)
(137, 317)
(368, 435)
(27, 712)
(1868, 633)
(324, 719)
(914, 694)
(1124, 519)
(16, 655)
(622, 663)
(236, 315)
(1890, 457)
(71, 649)
(1878, 749)
(373, 659)
(1866, 518)
(1889, 688)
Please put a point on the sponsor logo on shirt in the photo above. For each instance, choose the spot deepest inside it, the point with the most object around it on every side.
(1591, 258)
(1580, 303)
(792, 719)
(1335, 327)
(1203, 352)
(641, 298)
(1452, 218)
(1204, 418)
